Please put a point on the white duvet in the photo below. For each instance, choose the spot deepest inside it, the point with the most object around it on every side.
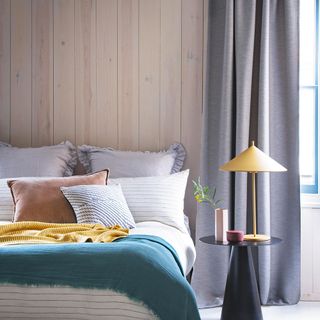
(180, 241)
(26, 302)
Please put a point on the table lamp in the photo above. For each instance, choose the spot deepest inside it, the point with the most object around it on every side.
(253, 160)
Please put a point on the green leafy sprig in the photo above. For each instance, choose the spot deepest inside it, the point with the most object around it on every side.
(205, 194)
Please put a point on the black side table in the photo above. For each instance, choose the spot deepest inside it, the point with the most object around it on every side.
(241, 298)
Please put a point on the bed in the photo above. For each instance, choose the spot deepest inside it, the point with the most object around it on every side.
(65, 302)
(141, 276)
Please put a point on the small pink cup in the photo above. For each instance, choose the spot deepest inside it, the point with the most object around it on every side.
(235, 235)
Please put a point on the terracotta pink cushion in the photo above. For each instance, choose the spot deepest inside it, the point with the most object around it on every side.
(42, 200)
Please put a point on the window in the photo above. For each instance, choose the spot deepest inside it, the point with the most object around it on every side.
(309, 94)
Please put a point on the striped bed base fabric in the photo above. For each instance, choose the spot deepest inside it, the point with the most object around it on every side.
(28, 303)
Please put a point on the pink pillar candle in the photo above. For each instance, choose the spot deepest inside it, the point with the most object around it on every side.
(235, 235)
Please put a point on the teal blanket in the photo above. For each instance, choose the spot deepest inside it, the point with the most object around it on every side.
(145, 268)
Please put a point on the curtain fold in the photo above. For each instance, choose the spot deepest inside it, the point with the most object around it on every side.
(252, 93)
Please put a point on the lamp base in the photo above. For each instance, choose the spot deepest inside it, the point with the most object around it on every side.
(257, 237)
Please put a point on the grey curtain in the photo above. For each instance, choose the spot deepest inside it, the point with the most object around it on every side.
(252, 93)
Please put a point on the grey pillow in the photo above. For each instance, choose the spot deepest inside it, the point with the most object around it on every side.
(49, 161)
(99, 204)
(132, 163)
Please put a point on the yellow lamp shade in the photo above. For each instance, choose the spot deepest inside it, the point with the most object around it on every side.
(252, 160)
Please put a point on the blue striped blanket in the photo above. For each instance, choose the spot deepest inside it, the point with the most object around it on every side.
(145, 268)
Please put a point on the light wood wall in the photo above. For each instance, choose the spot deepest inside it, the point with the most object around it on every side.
(121, 73)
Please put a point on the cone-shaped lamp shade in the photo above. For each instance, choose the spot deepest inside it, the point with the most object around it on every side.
(252, 160)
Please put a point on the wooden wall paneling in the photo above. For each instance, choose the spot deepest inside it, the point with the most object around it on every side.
(107, 73)
(64, 90)
(128, 74)
(119, 73)
(20, 122)
(192, 64)
(149, 74)
(170, 69)
(42, 72)
(5, 70)
(86, 71)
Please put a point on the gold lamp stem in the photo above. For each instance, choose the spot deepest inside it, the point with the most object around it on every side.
(254, 204)
(255, 236)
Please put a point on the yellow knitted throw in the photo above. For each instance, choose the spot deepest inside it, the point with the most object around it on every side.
(27, 232)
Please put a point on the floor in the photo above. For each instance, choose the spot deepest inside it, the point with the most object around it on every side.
(302, 311)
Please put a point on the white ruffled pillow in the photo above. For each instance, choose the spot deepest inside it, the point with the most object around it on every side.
(49, 161)
(158, 198)
(132, 163)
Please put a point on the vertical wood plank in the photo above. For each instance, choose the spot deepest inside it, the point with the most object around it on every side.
(64, 97)
(170, 83)
(128, 74)
(5, 70)
(192, 58)
(85, 75)
(107, 73)
(42, 72)
(149, 74)
(20, 128)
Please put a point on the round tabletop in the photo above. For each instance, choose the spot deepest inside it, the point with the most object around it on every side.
(212, 240)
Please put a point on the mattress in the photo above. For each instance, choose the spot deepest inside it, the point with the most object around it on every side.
(27, 302)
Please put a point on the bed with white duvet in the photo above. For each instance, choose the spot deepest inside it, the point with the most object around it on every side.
(44, 281)
(65, 302)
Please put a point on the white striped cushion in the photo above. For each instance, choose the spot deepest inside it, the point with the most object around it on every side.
(158, 198)
(99, 204)
(6, 202)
